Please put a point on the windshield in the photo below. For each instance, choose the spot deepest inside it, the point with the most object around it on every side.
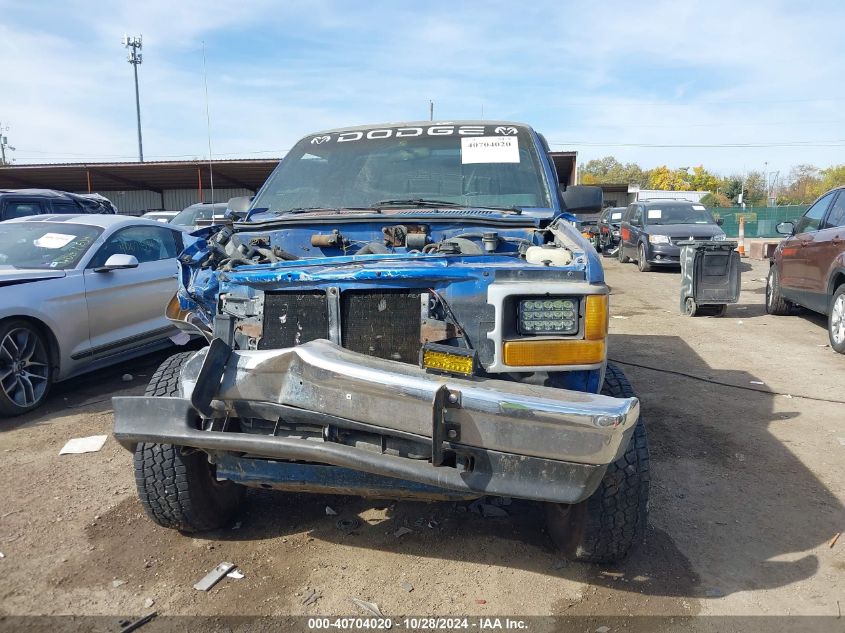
(192, 215)
(466, 165)
(55, 245)
(160, 217)
(678, 214)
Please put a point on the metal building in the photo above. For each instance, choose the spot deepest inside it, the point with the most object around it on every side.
(138, 187)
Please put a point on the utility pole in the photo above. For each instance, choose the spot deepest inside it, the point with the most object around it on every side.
(4, 144)
(430, 110)
(135, 58)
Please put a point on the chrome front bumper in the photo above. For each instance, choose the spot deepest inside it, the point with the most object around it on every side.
(504, 426)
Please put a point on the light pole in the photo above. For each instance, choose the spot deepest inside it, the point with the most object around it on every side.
(134, 44)
(4, 144)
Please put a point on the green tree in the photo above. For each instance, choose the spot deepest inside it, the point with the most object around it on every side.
(610, 170)
(755, 189)
(804, 184)
(703, 180)
(833, 176)
(716, 199)
(665, 179)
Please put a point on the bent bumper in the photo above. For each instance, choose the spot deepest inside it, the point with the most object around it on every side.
(508, 438)
(658, 254)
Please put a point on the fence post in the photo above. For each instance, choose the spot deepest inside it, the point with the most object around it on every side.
(741, 239)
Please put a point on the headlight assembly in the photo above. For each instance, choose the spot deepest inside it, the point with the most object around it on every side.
(658, 239)
(548, 315)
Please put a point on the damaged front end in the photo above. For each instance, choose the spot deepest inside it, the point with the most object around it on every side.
(418, 368)
(406, 310)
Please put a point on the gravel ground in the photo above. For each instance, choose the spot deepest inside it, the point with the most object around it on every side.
(748, 489)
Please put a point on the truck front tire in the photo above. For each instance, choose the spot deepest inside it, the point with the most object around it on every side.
(606, 526)
(177, 486)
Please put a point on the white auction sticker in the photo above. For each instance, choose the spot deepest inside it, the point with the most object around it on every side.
(655, 213)
(616, 216)
(54, 240)
(489, 149)
(698, 207)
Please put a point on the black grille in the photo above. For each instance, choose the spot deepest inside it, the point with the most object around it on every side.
(292, 319)
(385, 324)
(686, 238)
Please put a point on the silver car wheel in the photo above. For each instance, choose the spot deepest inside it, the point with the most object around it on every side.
(837, 320)
(24, 367)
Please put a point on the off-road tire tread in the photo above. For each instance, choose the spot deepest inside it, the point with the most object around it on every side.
(176, 487)
(613, 519)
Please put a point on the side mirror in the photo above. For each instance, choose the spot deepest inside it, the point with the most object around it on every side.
(720, 222)
(582, 199)
(118, 262)
(786, 228)
(237, 208)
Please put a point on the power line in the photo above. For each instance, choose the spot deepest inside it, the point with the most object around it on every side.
(836, 143)
(634, 102)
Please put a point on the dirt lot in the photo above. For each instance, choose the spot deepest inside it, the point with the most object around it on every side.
(748, 489)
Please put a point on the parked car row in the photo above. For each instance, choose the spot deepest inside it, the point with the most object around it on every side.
(19, 203)
(609, 224)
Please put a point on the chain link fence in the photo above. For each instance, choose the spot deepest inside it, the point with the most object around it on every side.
(759, 221)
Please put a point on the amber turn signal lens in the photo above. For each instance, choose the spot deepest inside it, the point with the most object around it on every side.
(595, 317)
(541, 353)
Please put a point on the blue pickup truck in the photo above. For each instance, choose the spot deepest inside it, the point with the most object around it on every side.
(406, 311)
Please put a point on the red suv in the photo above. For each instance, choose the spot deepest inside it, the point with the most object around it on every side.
(808, 267)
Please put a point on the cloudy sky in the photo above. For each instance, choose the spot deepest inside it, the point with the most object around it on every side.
(728, 84)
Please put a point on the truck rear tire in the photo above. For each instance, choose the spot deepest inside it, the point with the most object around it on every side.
(606, 526)
(177, 486)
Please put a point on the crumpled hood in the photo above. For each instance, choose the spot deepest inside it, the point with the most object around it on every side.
(9, 275)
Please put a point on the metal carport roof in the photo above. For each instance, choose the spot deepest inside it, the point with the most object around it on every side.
(150, 176)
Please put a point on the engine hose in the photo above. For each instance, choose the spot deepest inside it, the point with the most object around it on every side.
(372, 248)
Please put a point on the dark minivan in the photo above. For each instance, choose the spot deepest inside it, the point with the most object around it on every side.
(651, 229)
(808, 267)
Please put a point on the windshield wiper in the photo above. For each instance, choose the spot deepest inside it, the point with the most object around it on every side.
(418, 202)
(434, 204)
(317, 209)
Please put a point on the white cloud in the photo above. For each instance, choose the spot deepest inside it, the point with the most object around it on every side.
(671, 73)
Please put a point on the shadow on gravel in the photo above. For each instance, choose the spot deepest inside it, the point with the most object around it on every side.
(726, 493)
(93, 392)
(732, 508)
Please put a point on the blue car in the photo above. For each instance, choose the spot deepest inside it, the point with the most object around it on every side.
(406, 311)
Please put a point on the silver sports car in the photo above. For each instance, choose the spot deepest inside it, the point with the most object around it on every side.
(77, 293)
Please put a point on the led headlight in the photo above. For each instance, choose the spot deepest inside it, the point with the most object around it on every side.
(548, 315)
(658, 239)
